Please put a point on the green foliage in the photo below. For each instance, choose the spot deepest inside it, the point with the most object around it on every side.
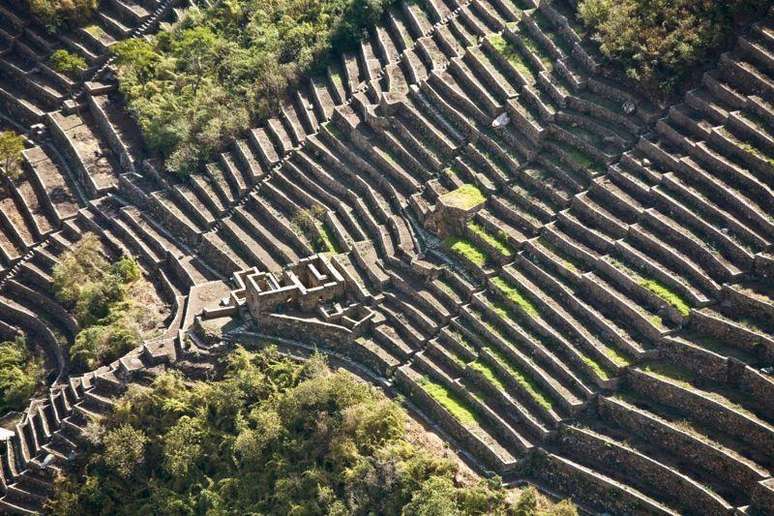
(524, 380)
(20, 374)
(124, 450)
(465, 197)
(67, 63)
(531, 503)
(513, 294)
(106, 301)
(660, 42)
(449, 401)
(11, 147)
(54, 13)
(195, 87)
(667, 295)
(271, 437)
(468, 250)
(497, 242)
(309, 222)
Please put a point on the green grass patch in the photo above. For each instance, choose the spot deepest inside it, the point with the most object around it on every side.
(461, 339)
(670, 373)
(598, 370)
(496, 241)
(524, 380)
(535, 49)
(446, 288)
(513, 294)
(581, 159)
(617, 358)
(468, 250)
(326, 239)
(465, 197)
(448, 400)
(509, 52)
(667, 295)
(94, 31)
(489, 374)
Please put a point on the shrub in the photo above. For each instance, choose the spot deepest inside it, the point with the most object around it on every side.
(20, 374)
(660, 42)
(112, 303)
(11, 148)
(54, 13)
(67, 63)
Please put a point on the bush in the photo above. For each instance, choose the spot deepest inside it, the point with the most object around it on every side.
(110, 301)
(660, 42)
(271, 437)
(54, 13)
(67, 63)
(20, 374)
(11, 148)
(194, 88)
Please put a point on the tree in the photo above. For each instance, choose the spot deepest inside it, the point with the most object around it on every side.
(195, 87)
(11, 148)
(271, 436)
(124, 450)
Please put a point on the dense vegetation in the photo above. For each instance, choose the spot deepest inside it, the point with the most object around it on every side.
(20, 373)
(112, 303)
(67, 63)
(54, 13)
(660, 42)
(205, 81)
(271, 437)
(11, 147)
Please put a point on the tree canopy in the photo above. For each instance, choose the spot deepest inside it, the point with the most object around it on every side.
(660, 42)
(272, 436)
(226, 66)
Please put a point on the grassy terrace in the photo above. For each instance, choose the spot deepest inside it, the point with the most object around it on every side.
(667, 295)
(461, 339)
(657, 288)
(617, 358)
(468, 250)
(523, 379)
(496, 241)
(489, 374)
(326, 239)
(512, 55)
(582, 159)
(449, 401)
(465, 197)
(678, 376)
(539, 53)
(513, 294)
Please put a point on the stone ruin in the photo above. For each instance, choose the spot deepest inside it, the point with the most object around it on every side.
(306, 301)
